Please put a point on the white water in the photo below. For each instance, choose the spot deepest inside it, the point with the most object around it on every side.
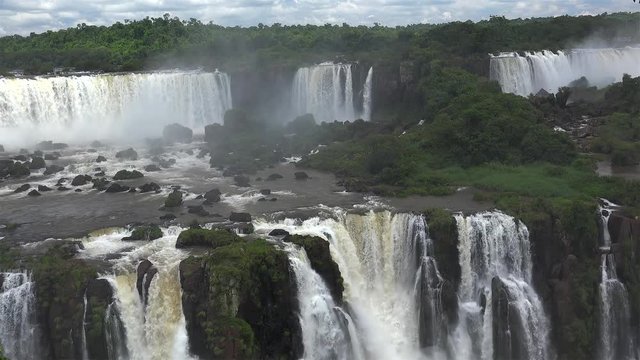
(378, 257)
(524, 75)
(129, 106)
(615, 330)
(156, 331)
(492, 244)
(85, 351)
(18, 330)
(327, 91)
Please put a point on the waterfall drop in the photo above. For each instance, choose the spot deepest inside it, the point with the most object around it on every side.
(524, 75)
(19, 333)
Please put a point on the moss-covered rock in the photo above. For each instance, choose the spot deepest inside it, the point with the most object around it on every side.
(147, 232)
(127, 175)
(99, 296)
(321, 261)
(444, 233)
(208, 238)
(174, 199)
(239, 303)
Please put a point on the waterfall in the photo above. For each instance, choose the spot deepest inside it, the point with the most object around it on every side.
(18, 329)
(134, 105)
(390, 282)
(156, 330)
(327, 92)
(85, 351)
(501, 315)
(615, 314)
(524, 75)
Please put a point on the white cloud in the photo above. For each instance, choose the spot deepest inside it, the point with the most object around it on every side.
(25, 16)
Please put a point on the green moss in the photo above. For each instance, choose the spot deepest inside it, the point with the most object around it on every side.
(443, 231)
(202, 237)
(148, 232)
(173, 200)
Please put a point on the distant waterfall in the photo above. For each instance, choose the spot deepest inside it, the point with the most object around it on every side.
(501, 315)
(524, 75)
(615, 314)
(391, 284)
(18, 329)
(98, 106)
(329, 92)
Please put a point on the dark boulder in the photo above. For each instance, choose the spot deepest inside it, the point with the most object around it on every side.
(301, 175)
(128, 154)
(177, 133)
(63, 188)
(100, 174)
(198, 210)
(37, 153)
(127, 175)
(81, 180)
(100, 184)
(100, 159)
(265, 192)
(36, 163)
(148, 233)
(145, 273)
(52, 169)
(273, 177)
(78, 190)
(34, 193)
(240, 217)
(174, 199)
(278, 232)
(22, 188)
(152, 168)
(116, 188)
(20, 157)
(18, 170)
(242, 181)
(168, 217)
(149, 187)
(43, 188)
(212, 196)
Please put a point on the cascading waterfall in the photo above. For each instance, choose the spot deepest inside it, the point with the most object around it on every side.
(65, 108)
(524, 75)
(85, 351)
(328, 92)
(387, 270)
(495, 256)
(615, 329)
(155, 330)
(18, 329)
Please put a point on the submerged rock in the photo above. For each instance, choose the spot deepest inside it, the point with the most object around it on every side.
(52, 169)
(116, 188)
(81, 180)
(43, 188)
(265, 192)
(177, 133)
(273, 177)
(167, 217)
(152, 168)
(149, 187)
(240, 217)
(63, 188)
(100, 159)
(34, 193)
(301, 175)
(127, 175)
(242, 181)
(128, 154)
(198, 210)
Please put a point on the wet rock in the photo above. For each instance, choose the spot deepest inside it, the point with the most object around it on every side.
(132, 190)
(81, 180)
(116, 188)
(100, 159)
(301, 175)
(99, 297)
(148, 233)
(278, 232)
(128, 154)
(100, 174)
(265, 192)
(262, 200)
(78, 190)
(22, 188)
(168, 217)
(52, 169)
(127, 175)
(152, 168)
(273, 177)
(243, 228)
(61, 181)
(100, 184)
(63, 188)
(173, 200)
(34, 193)
(149, 187)
(177, 133)
(273, 199)
(509, 341)
(37, 153)
(213, 195)
(145, 273)
(18, 170)
(242, 181)
(20, 158)
(198, 210)
(240, 217)
(37, 163)
(43, 188)
(208, 238)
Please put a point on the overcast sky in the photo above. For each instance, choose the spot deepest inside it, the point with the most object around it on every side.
(25, 16)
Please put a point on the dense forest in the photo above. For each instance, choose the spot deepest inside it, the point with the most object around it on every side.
(168, 41)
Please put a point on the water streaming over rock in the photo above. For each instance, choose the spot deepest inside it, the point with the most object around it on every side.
(528, 73)
(155, 330)
(19, 333)
(615, 330)
(501, 316)
(330, 92)
(119, 105)
(390, 282)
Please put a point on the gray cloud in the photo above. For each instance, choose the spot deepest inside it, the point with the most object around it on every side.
(25, 16)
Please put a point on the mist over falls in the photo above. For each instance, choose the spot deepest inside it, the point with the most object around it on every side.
(528, 73)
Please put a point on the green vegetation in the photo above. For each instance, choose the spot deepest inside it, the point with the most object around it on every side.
(148, 232)
(215, 238)
(174, 199)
